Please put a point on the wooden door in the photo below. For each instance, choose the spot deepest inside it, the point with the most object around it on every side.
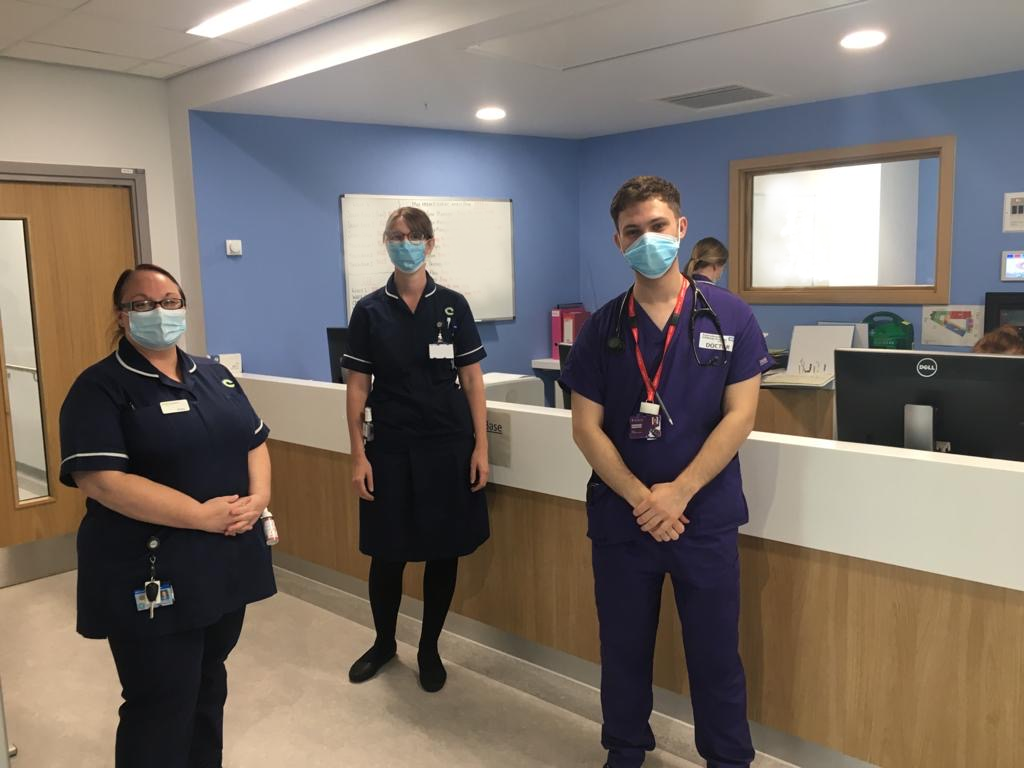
(78, 239)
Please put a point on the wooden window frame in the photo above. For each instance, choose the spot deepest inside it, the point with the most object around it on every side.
(741, 185)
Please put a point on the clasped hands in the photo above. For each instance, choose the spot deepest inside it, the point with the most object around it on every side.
(661, 512)
(231, 515)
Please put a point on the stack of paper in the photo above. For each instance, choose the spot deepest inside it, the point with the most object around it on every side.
(812, 356)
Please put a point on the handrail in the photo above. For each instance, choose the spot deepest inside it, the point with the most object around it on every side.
(24, 368)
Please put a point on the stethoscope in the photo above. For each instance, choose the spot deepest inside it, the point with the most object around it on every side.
(617, 341)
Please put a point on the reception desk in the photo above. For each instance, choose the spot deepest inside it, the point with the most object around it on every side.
(883, 589)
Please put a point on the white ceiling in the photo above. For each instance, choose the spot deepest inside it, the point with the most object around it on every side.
(569, 68)
(143, 37)
(579, 68)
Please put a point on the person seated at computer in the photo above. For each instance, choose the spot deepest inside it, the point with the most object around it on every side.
(707, 260)
(1004, 340)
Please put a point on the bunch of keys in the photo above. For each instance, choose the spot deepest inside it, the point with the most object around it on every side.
(152, 587)
(154, 594)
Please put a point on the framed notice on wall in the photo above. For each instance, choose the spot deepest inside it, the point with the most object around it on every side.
(472, 250)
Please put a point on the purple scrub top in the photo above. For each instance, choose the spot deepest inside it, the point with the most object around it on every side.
(692, 395)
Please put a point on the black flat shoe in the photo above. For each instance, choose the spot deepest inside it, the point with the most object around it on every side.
(370, 663)
(432, 672)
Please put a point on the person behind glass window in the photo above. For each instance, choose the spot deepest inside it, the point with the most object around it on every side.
(1004, 340)
(707, 260)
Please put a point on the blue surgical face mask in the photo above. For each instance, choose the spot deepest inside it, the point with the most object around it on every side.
(157, 329)
(407, 256)
(652, 254)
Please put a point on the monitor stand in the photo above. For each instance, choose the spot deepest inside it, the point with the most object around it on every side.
(919, 427)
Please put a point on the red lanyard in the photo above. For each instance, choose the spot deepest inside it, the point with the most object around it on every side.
(673, 321)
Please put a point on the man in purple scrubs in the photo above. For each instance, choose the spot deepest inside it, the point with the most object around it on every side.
(665, 380)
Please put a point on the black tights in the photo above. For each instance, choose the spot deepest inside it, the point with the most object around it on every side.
(386, 596)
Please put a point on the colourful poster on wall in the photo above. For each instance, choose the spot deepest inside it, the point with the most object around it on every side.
(956, 325)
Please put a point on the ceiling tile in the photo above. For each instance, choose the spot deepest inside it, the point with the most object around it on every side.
(297, 19)
(68, 5)
(74, 57)
(613, 32)
(204, 52)
(19, 20)
(93, 33)
(157, 69)
(178, 15)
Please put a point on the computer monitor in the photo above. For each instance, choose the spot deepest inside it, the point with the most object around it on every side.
(1004, 308)
(976, 402)
(563, 355)
(337, 338)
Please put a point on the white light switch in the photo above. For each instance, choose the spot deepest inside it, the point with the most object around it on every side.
(1013, 212)
(233, 247)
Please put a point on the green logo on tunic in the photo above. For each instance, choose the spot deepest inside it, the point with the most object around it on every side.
(449, 311)
(228, 383)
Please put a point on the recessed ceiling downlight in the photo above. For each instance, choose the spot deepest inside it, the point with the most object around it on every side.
(863, 39)
(490, 113)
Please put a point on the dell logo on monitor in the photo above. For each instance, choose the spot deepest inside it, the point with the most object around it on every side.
(927, 367)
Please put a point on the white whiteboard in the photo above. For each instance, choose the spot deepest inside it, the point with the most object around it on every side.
(472, 249)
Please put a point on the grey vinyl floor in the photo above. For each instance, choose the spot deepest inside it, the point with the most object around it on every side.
(290, 702)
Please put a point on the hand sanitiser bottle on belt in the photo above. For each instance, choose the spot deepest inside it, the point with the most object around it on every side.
(367, 425)
(269, 528)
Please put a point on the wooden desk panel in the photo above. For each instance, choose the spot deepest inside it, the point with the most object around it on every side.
(796, 411)
(893, 666)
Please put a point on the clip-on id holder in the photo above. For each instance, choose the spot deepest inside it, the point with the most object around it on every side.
(646, 425)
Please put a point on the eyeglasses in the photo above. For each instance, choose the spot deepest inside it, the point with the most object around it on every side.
(720, 355)
(397, 237)
(148, 305)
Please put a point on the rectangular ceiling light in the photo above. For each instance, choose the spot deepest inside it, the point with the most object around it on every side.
(242, 15)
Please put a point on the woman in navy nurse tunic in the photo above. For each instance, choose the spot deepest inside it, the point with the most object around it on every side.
(172, 460)
(421, 473)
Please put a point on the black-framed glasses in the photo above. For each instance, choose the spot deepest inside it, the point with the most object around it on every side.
(398, 237)
(721, 353)
(148, 305)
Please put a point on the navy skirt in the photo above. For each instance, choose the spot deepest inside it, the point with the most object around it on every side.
(423, 508)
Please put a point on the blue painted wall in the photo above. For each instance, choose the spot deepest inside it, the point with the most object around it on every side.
(274, 183)
(985, 115)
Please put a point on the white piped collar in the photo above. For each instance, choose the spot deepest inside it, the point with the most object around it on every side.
(391, 290)
(125, 365)
(130, 351)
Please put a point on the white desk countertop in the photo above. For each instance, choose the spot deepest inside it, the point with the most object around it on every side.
(545, 364)
(957, 516)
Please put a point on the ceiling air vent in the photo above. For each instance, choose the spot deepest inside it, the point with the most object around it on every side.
(716, 97)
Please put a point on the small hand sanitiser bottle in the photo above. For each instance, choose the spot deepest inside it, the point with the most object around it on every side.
(367, 425)
(269, 528)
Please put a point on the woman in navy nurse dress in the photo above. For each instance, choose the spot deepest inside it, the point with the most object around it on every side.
(421, 473)
(173, 462)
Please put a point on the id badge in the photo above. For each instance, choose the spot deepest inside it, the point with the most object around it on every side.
(166, 598)
(442, 351)
(645, 426)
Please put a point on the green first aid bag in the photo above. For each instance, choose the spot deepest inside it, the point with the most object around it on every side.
(887, 330)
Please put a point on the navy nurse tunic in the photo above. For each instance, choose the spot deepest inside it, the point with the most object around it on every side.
(423, 508)
(112, 419)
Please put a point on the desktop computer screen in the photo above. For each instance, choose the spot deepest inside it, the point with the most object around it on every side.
(1004, 308)
(977, 401)
(336, 340)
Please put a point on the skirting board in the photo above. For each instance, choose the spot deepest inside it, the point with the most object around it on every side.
(37, 560)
